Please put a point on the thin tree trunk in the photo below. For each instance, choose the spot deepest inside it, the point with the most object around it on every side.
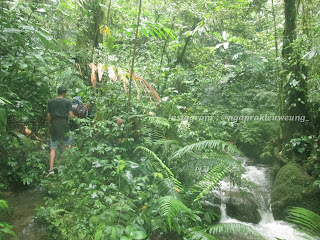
(275, 30)
(280, 80)
(165, 44)
(108, 17)
(133, 56)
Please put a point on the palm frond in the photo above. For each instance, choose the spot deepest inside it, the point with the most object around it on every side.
(212, 179)
(170, 206)
(122, 75)
(233, 228)
(212, 144)
(305, 219)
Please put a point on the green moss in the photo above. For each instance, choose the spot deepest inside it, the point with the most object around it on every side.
(292, 187)
(266, 157)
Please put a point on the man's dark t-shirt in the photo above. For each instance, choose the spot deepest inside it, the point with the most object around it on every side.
(59, 110)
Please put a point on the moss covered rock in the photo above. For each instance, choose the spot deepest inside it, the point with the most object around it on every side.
(243, 207)
(293, 187)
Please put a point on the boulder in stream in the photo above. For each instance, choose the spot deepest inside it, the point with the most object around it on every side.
(293, 188)
(243, 207)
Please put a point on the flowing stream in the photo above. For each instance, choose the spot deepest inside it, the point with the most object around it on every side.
(268, 227)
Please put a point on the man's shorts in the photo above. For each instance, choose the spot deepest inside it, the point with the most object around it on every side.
(55, 144)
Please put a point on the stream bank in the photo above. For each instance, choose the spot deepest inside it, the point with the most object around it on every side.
(22, 204)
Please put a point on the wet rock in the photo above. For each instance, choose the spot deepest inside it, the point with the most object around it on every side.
(243, 208)
(293, 187)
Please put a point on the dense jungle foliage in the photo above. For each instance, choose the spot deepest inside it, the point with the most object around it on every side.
(194, 83)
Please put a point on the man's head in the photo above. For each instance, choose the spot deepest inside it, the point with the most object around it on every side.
(62, 90)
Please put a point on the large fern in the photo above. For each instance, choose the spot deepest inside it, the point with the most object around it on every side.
(157, 127)
(170, 187)
(212, 144)
(234, 228)
(200, 235)
(167, 147)
(307, 220)
(212, 179)
(160, 122)
(170, 206)
(159, 165)
(205, 162)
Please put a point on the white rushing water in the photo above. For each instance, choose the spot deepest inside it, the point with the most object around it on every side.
(269, 228)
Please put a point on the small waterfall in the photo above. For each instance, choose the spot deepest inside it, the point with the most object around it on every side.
(269, 228)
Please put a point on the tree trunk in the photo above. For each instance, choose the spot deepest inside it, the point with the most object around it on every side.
(133, 56)
(294, 80)
(98, 18)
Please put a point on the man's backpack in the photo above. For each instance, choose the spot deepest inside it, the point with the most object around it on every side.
(79, 109)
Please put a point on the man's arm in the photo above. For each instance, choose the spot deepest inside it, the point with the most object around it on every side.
(71, 114)
(48, 123)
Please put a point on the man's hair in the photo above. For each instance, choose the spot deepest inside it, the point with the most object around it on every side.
(61, 90)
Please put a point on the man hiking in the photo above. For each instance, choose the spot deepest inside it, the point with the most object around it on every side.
(59, 111)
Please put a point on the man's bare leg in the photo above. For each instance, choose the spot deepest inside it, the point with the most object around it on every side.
(52, 157)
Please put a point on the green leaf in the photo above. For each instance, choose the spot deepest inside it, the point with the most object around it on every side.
(3, 204)
(157, 32)
(125, 238)
(114, 234)
(23, 138)
(157, 175)
(11, 30)
(39, 57)
(207, 217)
(98, 235)
(138, 235)
(234, 228)
(151, 31)
(170, 206)
(144, 31)
(3, 119)
(8, 231)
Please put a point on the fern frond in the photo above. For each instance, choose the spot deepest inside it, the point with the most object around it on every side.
(163, 168)
(167, 144)
(204, 163)
(167, 147)
(170, 206)
(212, 144)
(156, 134)
(233, 228)
(212, 179)
(307, 220)
(170, 187)
(157, 127)
(200, 235)
(160, 122)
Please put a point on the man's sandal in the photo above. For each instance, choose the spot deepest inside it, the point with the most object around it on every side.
(50, 173)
